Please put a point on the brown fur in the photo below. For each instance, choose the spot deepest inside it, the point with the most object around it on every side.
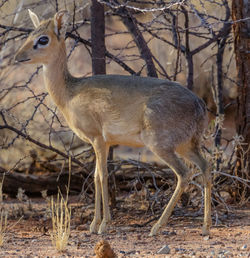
(128, 110)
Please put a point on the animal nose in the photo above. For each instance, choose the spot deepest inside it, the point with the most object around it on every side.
(21, 57)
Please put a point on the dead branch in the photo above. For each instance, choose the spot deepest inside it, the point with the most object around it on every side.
(107, 53)
(34, 184)
(130, 21)
(36, 142)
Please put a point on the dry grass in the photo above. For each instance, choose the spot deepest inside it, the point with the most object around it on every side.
(1, 190)
(3, 216)
(3, 225)
(60, 214)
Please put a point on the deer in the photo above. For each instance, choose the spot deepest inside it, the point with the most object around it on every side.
(106, 110)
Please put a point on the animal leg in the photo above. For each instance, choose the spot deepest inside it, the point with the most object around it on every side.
(182, 175)
(97, 216)
(195, 156)
(101, 151)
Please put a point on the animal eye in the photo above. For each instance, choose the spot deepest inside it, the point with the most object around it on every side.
(43, 40)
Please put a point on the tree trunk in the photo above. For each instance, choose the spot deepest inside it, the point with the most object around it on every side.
(99, 66)
(98, 38)
(241, 10)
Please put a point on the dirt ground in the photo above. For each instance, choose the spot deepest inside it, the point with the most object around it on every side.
(30, 236)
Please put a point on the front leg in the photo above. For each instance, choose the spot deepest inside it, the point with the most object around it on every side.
(101, 151)
(97, 216)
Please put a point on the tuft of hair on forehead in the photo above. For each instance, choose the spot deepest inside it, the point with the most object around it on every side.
(43, 27)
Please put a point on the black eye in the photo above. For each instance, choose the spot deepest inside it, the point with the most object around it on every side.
(43, 40)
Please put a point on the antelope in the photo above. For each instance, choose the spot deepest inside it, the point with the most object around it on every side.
(106, 110)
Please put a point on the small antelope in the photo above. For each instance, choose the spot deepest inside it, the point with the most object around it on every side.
(105, 110)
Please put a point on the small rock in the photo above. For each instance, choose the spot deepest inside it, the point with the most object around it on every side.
(224, 253)
(180, 250)
(131, 252)
(213, 252)
(206, 238)
(164, 250)
(243, 247)
(238, 234)
(169, 233)
(86, 235)
(103, 250)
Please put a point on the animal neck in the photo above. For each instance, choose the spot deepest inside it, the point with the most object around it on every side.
(55, 76)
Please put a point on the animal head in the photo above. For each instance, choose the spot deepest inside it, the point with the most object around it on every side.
(45, 41)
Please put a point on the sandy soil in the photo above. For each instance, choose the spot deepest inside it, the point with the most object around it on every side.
(30, 236)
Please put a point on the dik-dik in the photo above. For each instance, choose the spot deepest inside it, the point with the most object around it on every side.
(105, 110)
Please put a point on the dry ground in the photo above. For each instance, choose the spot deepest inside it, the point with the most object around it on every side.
(30, 236)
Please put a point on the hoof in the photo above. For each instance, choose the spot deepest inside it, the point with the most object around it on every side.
(103, 227)
(154, 229)
(205, 231)
(94, 226)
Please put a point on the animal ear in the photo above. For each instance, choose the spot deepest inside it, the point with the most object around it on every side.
(61, 22)
(34, 18)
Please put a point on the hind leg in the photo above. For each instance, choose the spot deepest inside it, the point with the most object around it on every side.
(194, 155)
(175, 163)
